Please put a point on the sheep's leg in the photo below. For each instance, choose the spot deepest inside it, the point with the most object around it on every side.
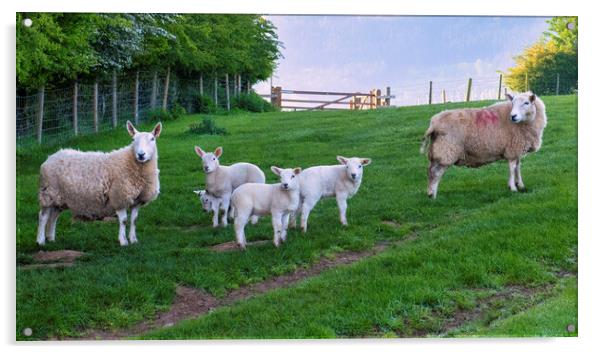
(277, 225)
(519, 177)
(342, 203)
(306, 208)
(511, 179)
(292, 223)
(285, 220)
(435, 172)
(239, 227)
(133, 217)
(225, 207)
(254, 219)
(51, 225)
(122, 215)
(215, 209)
(42, 220)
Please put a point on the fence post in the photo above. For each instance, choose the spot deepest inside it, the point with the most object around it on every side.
(201, 84)
(136, 86)
(153, 100)
(40, 113)
(75, 126)
(276, 96)
(114, 98)
(379, 100)
(468, 89)
(95, 107)
(248, 86)
(215, 90)
(499, 89)
(430, 92)
(388, 99)
(227, 93)
(444, 97)
(557, 84)
(166, 88)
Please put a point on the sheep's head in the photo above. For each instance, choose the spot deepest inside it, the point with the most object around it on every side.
(210, 159)
(289, 177)
(523, 107)
(205, 199)
(144, 146)
(354, 166)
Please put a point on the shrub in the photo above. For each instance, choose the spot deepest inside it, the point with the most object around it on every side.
(207, 126)
(252, 102)
(203, 104)
(177, 111)
(159, 114)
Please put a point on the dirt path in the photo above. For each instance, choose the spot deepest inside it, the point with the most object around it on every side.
(191, 302)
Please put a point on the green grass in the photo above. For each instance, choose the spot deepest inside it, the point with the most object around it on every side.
(474, 240)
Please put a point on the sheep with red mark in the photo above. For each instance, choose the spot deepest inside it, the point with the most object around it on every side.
(474, 137)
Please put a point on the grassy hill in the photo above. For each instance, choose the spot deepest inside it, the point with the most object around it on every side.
(478, 249)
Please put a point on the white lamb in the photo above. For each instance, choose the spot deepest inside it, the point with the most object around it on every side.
(258, 199)
(211, 203)
(339, 181)
(220, 181)
(95, 185)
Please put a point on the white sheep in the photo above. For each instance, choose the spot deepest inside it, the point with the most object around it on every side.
(211, 203)
(220, 181)
(475, 137)
(339, 181)
(280, 200)
(95, 185)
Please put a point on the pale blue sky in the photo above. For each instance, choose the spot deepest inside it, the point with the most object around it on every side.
(357, 53)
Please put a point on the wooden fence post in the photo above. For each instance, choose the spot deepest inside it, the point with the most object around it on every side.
(215, 90)
(40, 113)
(379, 100)
(248, 86)
(227, 93)
(95, 107)
(499, 89)
(430, 92)
(468, 89)
(444, 97)
(166, 88)
(276, 96)
(136, 87)
(201, 84)
(153, 100)
(114, 98)
(388, 99)
(75, 94)
(557, 84)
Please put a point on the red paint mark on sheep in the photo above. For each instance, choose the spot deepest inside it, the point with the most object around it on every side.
(486, 117)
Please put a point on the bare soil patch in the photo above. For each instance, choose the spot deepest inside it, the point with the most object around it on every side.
(232, 245)
(53, 259)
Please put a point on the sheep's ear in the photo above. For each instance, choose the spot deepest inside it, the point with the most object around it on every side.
(509, 97)
(366, 162)
(218, 152)
(157, 130)
(297, 170)
(199, 151)
(197, 192)
(276, 170)
(532, 97)
(342, 160)
(131, 129)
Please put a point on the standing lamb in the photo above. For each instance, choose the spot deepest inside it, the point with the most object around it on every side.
(95, 185)
(220, 181)
(258, 199)
(339, 181)
(474, 137)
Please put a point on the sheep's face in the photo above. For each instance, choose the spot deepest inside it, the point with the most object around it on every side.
(144, 146)
(289, 177)
(523, 107)
(210, 159)
(206, 200)
(354, 166)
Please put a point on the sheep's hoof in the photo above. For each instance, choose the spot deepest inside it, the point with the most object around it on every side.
(123, 243)
(431, 195)
(242, 247)
(522, 188)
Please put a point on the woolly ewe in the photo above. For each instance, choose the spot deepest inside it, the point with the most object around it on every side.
(475, 137)
(220, 181)
(257, 199)
(95, 185)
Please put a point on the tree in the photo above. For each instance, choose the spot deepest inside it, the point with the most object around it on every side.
(553, 56)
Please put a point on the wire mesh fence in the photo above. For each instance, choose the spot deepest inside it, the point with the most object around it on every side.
(52, 115)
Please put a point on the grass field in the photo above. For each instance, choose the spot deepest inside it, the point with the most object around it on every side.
(504, 259)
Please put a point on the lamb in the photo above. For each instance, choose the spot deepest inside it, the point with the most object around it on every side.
(474, 137)
(211, 203)
(258, 199)
(220, 181)
(339, 181)
(95, 185)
